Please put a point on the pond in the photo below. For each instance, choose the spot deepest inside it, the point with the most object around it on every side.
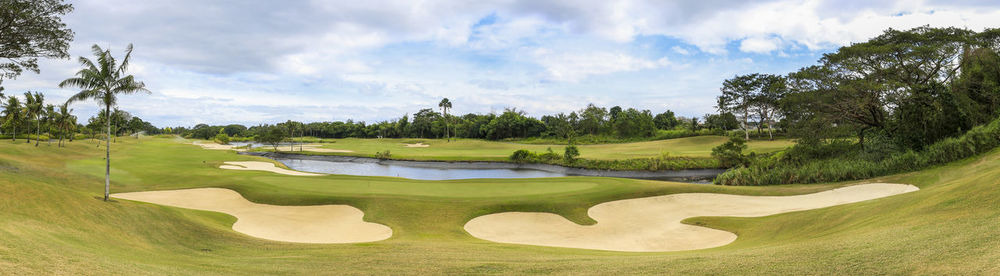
(423, 173)
(433, 170)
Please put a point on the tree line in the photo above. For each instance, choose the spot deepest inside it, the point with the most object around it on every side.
(902, 91)
(615, 122)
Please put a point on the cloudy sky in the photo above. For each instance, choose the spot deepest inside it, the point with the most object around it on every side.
(265, 61)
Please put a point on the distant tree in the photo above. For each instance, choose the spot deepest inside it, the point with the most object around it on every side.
(272, 136)
(765, 102)
(737, 98)
(445, 105)
(13, 115)
(33, 108)
(592, 118)
(104, 81)
(634, 123)
(724, 121)
(613, 113)
(31, 29)
(50, 116)
(66, 122)
(665, 120)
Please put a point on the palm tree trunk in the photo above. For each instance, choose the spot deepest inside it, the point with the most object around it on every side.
(38, 130)
(107, 158)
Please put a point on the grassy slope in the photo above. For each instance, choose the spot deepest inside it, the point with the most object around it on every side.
(50, 221)
(470, 149)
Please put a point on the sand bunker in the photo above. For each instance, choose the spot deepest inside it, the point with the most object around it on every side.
(262, 166)
(216, 146)
(417, 145)
(653, 224)
(305, 224)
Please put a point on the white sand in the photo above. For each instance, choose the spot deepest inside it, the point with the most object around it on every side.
(216, 146)
(262, 166)
(653, 224)
(304, 224)
(417, 145)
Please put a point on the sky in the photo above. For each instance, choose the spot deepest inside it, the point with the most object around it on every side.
(265, 61)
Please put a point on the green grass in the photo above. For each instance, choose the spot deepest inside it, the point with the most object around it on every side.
(472, 149)
(52, 222)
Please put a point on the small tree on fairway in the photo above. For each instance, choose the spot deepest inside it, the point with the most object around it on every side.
(571, 153)
(104, 81)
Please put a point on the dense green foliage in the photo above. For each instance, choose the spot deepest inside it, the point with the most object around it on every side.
(222, 138)
(569, 159)
(859, 164)
(590, 125)
(874, 108)
(31, 29)
(730, 154)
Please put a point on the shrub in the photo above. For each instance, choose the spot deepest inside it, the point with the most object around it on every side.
(522, 156)
(571, 153)
(730, 153)
(222, 138)
(384, 155)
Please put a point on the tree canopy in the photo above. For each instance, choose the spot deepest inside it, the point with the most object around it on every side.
(29, 30)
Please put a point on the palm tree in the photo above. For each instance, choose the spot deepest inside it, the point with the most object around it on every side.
(33, 109)
(445, 105)
(12, 114)
(50, 119)
(104, 81)
(65, 121)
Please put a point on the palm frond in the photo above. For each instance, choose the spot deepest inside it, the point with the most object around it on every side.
(128, 56)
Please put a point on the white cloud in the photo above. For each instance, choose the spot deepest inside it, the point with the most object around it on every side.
(320, 60)
(574, 67)
(680, 50)
(759, 45)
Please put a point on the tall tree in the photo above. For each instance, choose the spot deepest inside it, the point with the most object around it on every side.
(31, 29)
(65, 121)
(737, 98)
(13, 114)
(33, 108)
(104, 81)
(445, 105)
(50, 117)
(771, 89)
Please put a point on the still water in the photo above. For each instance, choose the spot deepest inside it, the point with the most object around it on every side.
(424, 173)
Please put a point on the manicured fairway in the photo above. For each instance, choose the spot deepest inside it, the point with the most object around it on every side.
(469, 149)
(51, 221)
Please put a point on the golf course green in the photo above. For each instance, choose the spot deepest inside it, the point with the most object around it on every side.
(52, 220)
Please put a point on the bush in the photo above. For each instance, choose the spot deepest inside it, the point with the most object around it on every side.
(222, 138)
(384, 155)
(730, 153)
(570, 154)
(522, 156)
